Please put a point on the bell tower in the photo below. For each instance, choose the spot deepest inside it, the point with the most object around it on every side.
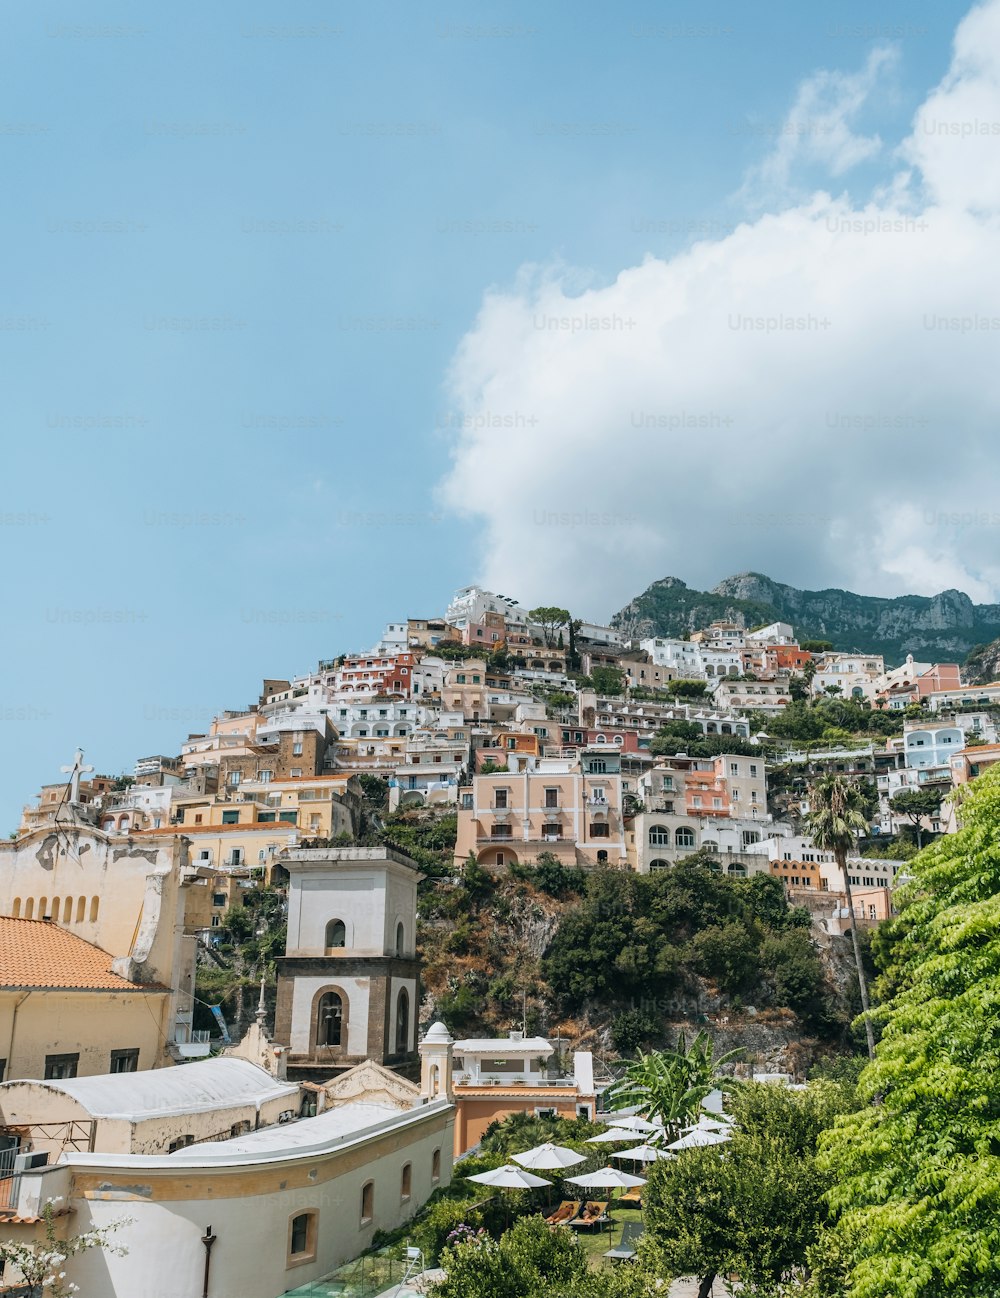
(349, 981)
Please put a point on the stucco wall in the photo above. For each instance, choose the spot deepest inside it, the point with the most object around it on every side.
(249, 1210)
(91, 1024)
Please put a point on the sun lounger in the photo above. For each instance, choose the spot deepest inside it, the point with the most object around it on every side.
(564, 1213)
(631, 1198)
(626, 1248)
(592, 1214)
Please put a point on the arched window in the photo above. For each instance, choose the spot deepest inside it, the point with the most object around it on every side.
(336, 934)
(123, 823)
(400, 938)
(68, 910)
(402, 1022)
(108, 824)
(659, 836)
(29, 908)
(659, 864)
(16, 912)
(434, 1080)
(406, 1181)
(95, 905)
(367, 1202)
(684, 837)
(436, 1165)
(81, 909)
(330, 1020)
(43, 908)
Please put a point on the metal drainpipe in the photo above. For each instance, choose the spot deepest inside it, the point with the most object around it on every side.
(208, 1239)
(13, 1028)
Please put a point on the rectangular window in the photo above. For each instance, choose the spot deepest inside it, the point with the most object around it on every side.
(500, 799)
(552, 797)
(753, 769)
(125, 1061)
(600, 831)
(218, 898)
(302, 1238)
(297, 749)
(266, 817)
(230, 817)
(60, 1066)
(288, 817)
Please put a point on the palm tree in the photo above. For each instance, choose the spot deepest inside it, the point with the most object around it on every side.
(836, 819)
(671, 1084)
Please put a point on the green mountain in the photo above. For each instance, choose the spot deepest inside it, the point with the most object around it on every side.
(934, 628)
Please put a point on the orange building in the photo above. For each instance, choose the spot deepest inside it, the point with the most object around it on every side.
(495, 1077)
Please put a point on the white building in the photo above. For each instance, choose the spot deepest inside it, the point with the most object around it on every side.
(855, 675)
(395, 639)
(278, 1207)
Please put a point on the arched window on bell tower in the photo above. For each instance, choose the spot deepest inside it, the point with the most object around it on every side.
(402, 1022)
(400, 938)
(336, 934)
(330, 1020)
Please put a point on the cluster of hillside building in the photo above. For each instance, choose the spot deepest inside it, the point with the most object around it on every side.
(280, 1157)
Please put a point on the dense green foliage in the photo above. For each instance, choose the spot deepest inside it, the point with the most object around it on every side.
(251, 938)
(531, 1260)
(671, 1084)
(803, 720)
(917, 1187)
(641, 941)
(755, 1211)
(520, 1131)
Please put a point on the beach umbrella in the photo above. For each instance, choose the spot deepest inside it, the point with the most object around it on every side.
(509, 1177)
(609, 1137)
(606, 1178)
(642, 1154)
(549, 1157)
(705, 1123)
(697, 1138)
(634, 1123)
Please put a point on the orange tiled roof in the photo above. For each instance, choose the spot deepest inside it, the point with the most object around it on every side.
(37, 954)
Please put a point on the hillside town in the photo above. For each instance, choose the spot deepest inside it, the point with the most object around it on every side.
(337, 1107)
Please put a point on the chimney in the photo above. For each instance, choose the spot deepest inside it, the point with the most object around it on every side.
(515, 1036)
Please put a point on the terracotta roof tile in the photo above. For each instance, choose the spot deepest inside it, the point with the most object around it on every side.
(38, 954)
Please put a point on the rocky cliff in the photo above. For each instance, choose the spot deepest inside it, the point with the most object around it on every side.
(935, 628)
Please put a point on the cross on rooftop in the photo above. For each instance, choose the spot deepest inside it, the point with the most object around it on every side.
(74, 772)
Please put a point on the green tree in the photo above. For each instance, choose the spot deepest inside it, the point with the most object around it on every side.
(687, 689)
(531, 1260)
(915, 804)
(551, 619)
(917, 1173)
(836, 819)
(609, 681)
(671, 1084)
(666, 738)
(757, 1211)
(816, 646)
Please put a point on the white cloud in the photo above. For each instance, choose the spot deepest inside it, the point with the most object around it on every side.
(819, 128)
(815, 396)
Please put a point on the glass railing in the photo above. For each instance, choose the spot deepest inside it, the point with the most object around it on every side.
(365, 1277)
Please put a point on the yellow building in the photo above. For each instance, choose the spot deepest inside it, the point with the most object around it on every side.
(139, 899)
(65, 1012)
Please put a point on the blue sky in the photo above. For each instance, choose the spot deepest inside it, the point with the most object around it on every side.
(243, 243)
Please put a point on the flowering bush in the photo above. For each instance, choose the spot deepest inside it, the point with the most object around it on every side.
(40, 1262)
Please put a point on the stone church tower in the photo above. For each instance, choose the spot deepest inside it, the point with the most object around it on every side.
(349, 982)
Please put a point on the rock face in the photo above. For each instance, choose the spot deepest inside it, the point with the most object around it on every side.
(935, 628)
